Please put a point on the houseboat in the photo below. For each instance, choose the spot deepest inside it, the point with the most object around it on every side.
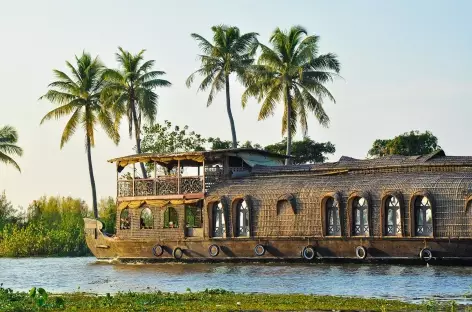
(245, 205)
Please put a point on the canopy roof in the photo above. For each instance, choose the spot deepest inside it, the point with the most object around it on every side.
(250, 155)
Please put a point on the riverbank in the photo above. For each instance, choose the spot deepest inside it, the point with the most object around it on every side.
(208, 300)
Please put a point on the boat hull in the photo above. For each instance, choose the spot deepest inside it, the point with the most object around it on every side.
(395, 250)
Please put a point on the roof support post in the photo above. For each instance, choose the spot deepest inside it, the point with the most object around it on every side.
(178, 176)
(117, 182)
(155, 178)
(203, 177)
(134, 178)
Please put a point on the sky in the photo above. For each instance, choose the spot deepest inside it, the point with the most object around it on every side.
(406, 65)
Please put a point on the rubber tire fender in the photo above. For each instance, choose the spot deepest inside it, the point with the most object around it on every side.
(426, 254)
(157, 250)
(259, 250)
(177, 253)
(213, 254)
(359, 250)
(310, 250)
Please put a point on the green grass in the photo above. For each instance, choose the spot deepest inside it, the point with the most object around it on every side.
(209, 300)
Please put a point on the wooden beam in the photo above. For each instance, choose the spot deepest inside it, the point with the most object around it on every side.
(155, 178)
(178, 176)
(134, 177)
(169, 197)
(203, 167)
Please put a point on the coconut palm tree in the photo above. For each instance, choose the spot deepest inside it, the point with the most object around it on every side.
(230, 52)
(78, 95)
(130, 90)
(294, 74)
(8, 140)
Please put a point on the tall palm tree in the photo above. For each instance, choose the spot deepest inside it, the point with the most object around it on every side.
(292, 73)
(230, 52)
(8, 140)
(130, 90)
(79, 95)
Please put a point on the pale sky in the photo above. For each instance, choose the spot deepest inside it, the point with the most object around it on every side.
(406, 65)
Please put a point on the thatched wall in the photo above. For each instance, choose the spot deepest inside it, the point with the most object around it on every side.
(448, 192)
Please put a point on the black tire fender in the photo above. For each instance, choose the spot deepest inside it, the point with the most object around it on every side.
(157, 250)
(259, 250)
(361, 252)
(308, 253)
(213, 250)
(426, 254)
(177, 253)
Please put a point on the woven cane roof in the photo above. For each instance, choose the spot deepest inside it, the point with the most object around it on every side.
(437, 158)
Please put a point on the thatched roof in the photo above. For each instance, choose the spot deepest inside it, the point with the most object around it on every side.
(437, 158)
(191, 158)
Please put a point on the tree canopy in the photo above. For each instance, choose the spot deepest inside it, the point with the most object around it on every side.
(230, 52)
(305, 151)
(8, 147)
(293, 74)
(407, 144)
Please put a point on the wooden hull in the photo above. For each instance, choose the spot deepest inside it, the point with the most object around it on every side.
(396, 250)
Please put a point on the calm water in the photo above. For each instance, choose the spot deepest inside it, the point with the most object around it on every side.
(86, 274)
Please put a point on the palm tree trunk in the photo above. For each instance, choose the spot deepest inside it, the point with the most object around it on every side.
(137, 134)
(230, 114)
(92, 179)
(288, 161)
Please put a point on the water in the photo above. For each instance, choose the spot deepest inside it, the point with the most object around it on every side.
(411, 283)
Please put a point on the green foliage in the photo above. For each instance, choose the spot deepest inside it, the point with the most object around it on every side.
(407, 144)
(165, 138)
(107, 213)
(54, 227)
(130, 92)
(8, 140)
(208, 300)
(7, 213)
(294, 74)
(40, 296)
(230, 52)
(304, 151)
(217, 143)
(80, 97)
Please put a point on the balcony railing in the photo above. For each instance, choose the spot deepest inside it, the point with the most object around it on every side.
(164, 185)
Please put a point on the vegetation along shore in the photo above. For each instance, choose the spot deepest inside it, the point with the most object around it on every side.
(208, 300)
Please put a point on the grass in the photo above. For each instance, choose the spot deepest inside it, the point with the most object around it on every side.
(208, 300)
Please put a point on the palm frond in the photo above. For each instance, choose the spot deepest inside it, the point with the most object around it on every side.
(9, 161)
(110, 127)
(203, 44)
(71, 126)
(62, 111)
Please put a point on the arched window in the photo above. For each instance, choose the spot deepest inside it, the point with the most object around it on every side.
(218, 220)
(393, 217)
(242, 218)
(171, 218)
(423, 217)
(360, 211)
(146, 221)
(125, 219)
(333, 221)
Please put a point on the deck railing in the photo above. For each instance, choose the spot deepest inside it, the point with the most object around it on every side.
(162, 185)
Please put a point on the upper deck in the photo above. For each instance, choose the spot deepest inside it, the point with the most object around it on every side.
(185, 175)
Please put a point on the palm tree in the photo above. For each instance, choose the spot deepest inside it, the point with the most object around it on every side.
(293, 73)
(230, 52)
(79, 95)
(8, 140)
(130, 92)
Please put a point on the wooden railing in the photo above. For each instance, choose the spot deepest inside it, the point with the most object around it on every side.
(163, 185)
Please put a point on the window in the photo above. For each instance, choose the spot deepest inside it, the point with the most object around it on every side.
(125, 219)
(242, 218)
(218, 220)
(360, 211)
(393, 217)
(171, 218)
(193, 217)
(333, 222)
(146, 221)
(423, 217)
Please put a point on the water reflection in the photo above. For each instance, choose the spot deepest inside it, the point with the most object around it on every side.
(86, 274)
